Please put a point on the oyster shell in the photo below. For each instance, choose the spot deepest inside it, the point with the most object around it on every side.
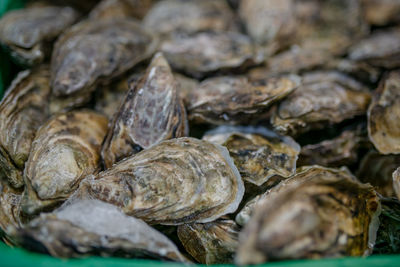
(377, 169)
(335, 152)
(23, 110)
(151, 112)
(381, 12)
(380, 49)
(201, 53)
(322, 216)
(234, 99)
(28, 33)
(383, 115)
(91, 227)
(258, 153)
(178, 181)
(189, 16)
(210, 243)
(78, 66)
(324, 98)
(65, 150)
(396, 182)
(10, 215)
(120, 9)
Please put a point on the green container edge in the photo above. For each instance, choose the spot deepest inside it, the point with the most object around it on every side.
(14, 257)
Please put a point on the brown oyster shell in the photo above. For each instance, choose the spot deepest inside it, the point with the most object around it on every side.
(151, 112)
(178, 181)
(189, 16)
(10, 215)
(92, 227)
(258, 153)
(23, 110)
(383, 115)
(201, 53)
(377, 169)
(234, 99)
(210, 243)
(120, 9)
(28, 33)
(78, 66)
(380, 49)
(65, 150)
(324, 98)
(381, 12)
(396, 182)
(322, 216)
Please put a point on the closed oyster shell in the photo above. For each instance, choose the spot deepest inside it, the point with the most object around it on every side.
(151, 112)
(92, 227)
(323, 98)
(178, 181)
(377, 169)
(78, 65)
(381, 12)
(234, 99)
(189, 16)
(396, 182)
(65, 150)
(23, 110)
(210, 243)
(384, 114)
(201, 53)
(322, 216)
(258, 153)
(380, 49)
(120, 9)
(10, 208)
(28, 33)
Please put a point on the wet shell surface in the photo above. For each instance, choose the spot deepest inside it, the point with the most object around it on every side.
(150, 113)
(65, 150)
(178, 181)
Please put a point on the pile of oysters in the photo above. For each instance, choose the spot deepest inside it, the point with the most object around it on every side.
(212, 131)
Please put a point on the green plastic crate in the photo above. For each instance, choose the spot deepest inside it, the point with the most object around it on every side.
(13, 257)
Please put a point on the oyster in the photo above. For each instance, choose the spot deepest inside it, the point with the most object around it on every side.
(65, 150)
(23, 110)
(201, 53)
(396, 182)
(120, 9)
(381, 12)
(151, 112)
(28, 33)
(258, 153)
(335, 152)
(322, 216)
(186, 86)
(234, 99)
(188, 16)
(324, 98)
(381, 49)
(78, 66)
(178, 181)
(383, 115)
(269, 22)
(210, 243)
(91, 227)
(10, 215)
(377, 170)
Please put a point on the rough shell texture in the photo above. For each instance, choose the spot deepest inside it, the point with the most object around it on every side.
(151, 112)
(336, 152)
(65, 150)
(210, 243)
(381, 12)
(234, 99)
(384, 114)
(28, 32)
(178, 181)
(258, 153)
(91, 227)
(396, 182)
(10, 215)
(120, 9)
(323, 216)
(23, 110)
(324, 98)
(189, 16)
(381, 49)
(78, 65)
(377, 169)
(205, 52)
